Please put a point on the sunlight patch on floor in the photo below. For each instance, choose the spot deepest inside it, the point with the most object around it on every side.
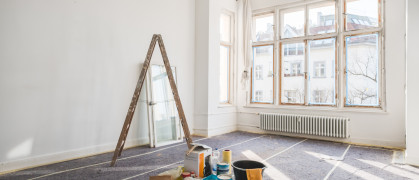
(271, 171)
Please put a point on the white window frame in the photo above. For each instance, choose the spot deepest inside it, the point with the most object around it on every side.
(340, 59)
(231, 51)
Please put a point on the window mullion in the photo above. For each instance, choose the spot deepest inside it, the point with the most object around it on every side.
(340, 56)
(276, 57)
(306, 64)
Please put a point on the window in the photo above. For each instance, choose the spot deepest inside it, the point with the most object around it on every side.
(293, 49)
(259, 96)
(319, 69)
(322, 18)
(361, 14)
(362, 57)
(225, 57)
(292, 78)
(315, 56)
(319, 96)
(295, 69)
(224, 73)
(321, 81)
(263, 59)
(304, 75)
(259, 72)
(225, 27)
(293, 21)
(264, 30)
(262, 80)
(291, 96)
(362, 70)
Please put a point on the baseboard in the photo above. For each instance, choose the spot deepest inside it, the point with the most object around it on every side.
(30, 162)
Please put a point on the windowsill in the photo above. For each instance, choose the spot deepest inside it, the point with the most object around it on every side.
(317, 108)
(225, 105)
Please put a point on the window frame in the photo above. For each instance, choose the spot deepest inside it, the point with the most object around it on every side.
(305, 39)
(380, 17)
(230, 46)
(273, 77)
(381, 63)
(380, 69)
(340, 56)
(265, 43)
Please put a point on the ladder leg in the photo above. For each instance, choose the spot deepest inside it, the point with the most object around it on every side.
(175, 93)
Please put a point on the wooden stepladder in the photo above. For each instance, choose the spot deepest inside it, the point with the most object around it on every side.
(135, 97)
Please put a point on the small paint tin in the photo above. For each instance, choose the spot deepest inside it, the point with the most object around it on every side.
(224, 177)
(222, 168)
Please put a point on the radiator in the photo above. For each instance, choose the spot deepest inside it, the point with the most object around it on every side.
(305, 124)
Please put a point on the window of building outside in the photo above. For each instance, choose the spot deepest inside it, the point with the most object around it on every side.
(319, 69)
(259, 96)
(312, 49)
(295, 69)
(259, 72)
(291, 96)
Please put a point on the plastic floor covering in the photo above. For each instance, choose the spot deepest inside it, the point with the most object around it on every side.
(286, 158)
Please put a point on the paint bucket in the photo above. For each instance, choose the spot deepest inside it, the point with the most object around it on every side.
(224, 177)
(222, 168)
(240, 167)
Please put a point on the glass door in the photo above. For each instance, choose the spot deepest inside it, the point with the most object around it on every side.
(165, 118)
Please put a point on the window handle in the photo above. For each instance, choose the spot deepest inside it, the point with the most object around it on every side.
(152, 103)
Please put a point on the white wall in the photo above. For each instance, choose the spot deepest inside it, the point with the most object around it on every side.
(68, 70)
(380, 128)
(412, 113)
(259, 4)
(211, 118)
(201, 66)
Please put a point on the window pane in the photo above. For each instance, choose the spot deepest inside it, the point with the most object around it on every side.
(292, 23)
(292, 74)
(322, 18)
(225, 22)
(263, 74)
(321, 59)
(361, 14)
(263, 25)
(224, 73)
(362, 70)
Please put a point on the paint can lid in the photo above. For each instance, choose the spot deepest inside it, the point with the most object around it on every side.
(224, 177)
(186, 174)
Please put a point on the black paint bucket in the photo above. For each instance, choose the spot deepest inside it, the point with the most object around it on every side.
(241, 166)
